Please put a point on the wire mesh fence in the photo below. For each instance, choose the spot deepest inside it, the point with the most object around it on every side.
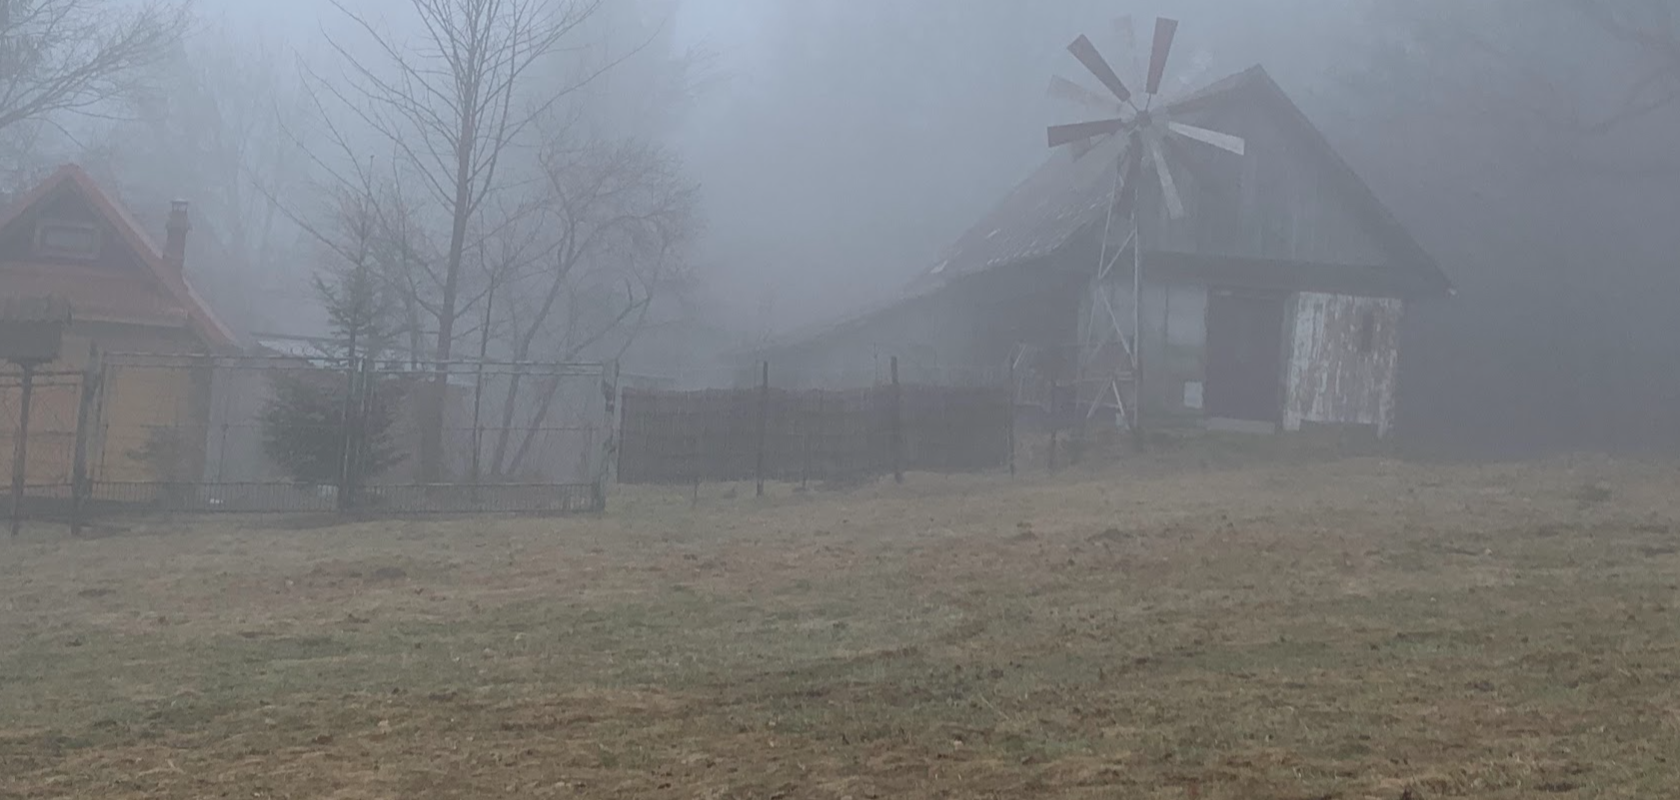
(37, 461)
(301, 434)
(768, 433)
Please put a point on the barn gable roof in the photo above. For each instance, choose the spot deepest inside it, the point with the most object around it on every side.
(177, 295)
(1067, 195)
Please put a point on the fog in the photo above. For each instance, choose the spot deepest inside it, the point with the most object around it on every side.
(836, 147)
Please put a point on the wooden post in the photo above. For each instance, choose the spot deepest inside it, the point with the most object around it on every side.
(80, 485)
(897, 423)
(763, 423)
(20, 447)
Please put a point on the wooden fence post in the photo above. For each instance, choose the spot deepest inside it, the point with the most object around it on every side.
(80, 486)
(763, 423)
(897, 433)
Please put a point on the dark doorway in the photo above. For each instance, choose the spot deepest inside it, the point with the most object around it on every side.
(1245, 354)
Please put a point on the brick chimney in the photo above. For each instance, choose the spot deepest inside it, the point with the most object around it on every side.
(175, 244)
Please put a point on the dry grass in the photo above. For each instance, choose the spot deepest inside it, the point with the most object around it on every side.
(1336, 630)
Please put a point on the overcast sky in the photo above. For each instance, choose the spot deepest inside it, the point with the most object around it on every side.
(880, 133)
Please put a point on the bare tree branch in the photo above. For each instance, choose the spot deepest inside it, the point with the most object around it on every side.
(452, 104)
(621, 215)
(78, 56)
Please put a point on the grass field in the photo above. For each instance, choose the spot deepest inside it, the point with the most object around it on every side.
(1352, 629)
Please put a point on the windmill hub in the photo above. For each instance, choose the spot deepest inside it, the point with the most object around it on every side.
(1146, 131)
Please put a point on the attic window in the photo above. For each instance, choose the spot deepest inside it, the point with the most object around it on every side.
(55, 239)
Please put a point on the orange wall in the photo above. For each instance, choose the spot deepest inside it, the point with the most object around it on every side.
(139, 403)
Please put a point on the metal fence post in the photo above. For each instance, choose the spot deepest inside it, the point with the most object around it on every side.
(80, 485)
(1055, 421)
(20, 448)
(365, 400)
(1014, 391)
(346, 438)
(763, 423)
(807, 422)
(897, 424)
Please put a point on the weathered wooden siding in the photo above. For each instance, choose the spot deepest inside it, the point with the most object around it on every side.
(1342, 367)
(1273, 202)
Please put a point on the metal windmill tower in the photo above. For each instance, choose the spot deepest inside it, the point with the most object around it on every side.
(1142, 123)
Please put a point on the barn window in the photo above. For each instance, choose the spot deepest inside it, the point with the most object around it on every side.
(55, 239)
(1368, 331)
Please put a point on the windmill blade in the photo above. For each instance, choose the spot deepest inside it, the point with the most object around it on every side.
(1165, 29)
(1063, 89)
(1087, 54)
(1169, 189)
(1080, 131)
(1223, 141)
(1126, 34)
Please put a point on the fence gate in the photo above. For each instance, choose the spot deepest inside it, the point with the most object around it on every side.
(38, 463)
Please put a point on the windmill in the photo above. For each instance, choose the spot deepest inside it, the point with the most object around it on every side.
(1142, 125)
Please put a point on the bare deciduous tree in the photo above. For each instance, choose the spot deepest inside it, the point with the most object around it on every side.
(213, 130)
(453, 104)
(79, 55)
(617, 219)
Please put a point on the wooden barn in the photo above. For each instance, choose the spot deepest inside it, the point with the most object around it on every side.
(69, 239)
(1273, 302)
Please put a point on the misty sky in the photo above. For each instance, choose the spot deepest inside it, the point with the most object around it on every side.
(845, 143)
(832, 191)
(840, 153)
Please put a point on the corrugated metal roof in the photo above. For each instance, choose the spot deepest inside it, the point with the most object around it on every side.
(1067, 194)
(1039, 215)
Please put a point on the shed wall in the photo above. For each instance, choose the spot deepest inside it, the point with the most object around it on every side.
(1276, 201)
(1344, 360)
(1174, 341)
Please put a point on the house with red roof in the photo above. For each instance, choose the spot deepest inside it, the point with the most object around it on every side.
(69, 239)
